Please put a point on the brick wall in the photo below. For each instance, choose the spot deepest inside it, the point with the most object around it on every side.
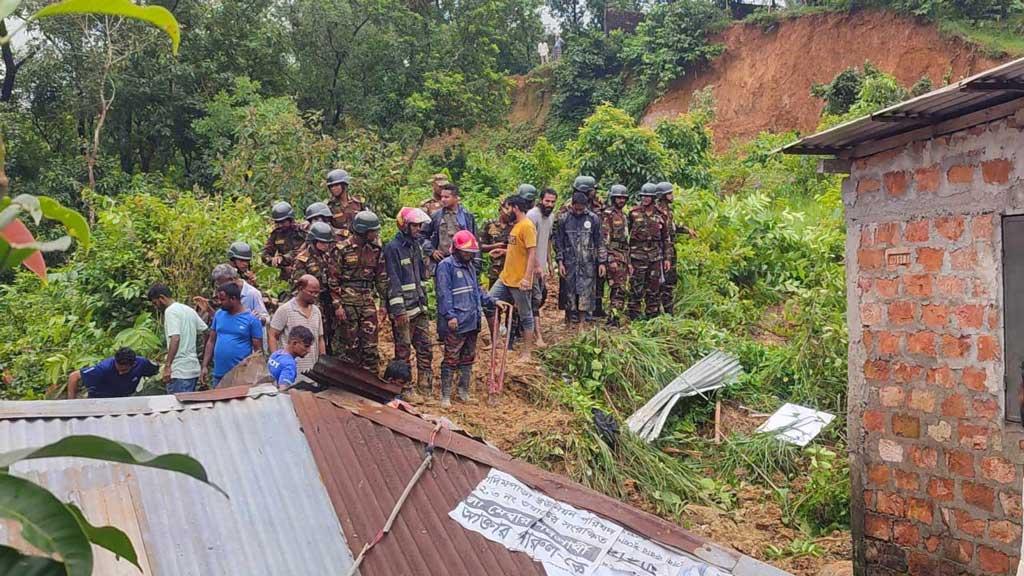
(936, 468)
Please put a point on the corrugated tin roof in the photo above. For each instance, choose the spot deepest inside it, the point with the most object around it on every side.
(983, 91)
(277, 522)
(367, 453)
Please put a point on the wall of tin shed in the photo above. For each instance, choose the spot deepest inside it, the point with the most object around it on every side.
(936, 466)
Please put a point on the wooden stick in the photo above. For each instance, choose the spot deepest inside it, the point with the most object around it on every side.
(718, 421)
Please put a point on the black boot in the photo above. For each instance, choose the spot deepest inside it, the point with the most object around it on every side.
(447, 375)
(465, 374)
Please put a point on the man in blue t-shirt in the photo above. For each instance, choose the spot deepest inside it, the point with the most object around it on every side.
(113, 377)
(282, 365)
(234, 334)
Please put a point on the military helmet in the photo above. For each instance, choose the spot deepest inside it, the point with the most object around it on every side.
(365, 221)
(649, 189)
(585, 184)
(281, 211)
(318, 209)
(337, 176)
(320, 232)
(618, 191)
(527, 191)
(664, 188)
(239, 251)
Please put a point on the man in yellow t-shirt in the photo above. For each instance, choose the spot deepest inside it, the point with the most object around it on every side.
(515, 284)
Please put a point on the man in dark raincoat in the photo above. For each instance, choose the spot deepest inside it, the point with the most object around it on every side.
(581, 256)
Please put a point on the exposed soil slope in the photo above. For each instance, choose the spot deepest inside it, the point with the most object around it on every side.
(763, 79)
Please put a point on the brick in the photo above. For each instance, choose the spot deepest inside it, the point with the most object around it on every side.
(891, 504)
(988, 348)
(985, 408)
(935, 315)
(901, 312)
(916, 231)
(1003, 531)
(954, 406)
(942, 376)
(952, 227)
(996, 171)
(950, 286)
(940, 431)
(876, 370)
(993, 319)
(923, 400)
(918, 285)
(999, 470)
(932, 544)
(930, 259)
(992, 561)
(960, 463)
(906, 533)
(921, 343)
(919, 564)
(887, 234)
(886, 287)
(878, 474)
(877, 527)
(895, 183)
(924, 456)
(927, 179)
(1011, 504)
(868, 339)
(891, 396)
(888, 343)
(868, 185)
(958, 174)
(870, 258)
(982, 227)
(920, 509)
(906, 426)
(970, 316)
(965, 259)
(870, 314)
(869, 499)
(981, 290)
(978, 495)
(907, 481)
(874, 421)
(973, 436)
(889, 450)
(968, 524)
(954, 347)
(960, 551)
(904, 372)
(974, 378)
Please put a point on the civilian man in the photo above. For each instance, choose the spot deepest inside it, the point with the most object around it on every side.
(234, 334)
(181, 328)
(300, 311)
(113, 377)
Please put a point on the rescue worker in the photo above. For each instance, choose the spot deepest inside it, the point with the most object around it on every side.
(581, 257)
(407, 299)
(494, 240)
(357, 272)
(342, 205)
(666, 291)
(527, 191)
(588, 186)
(318, 212)
(616, 241)
(648, 238)
(459, 318)
(433, 204)
(240, 257)
(284, 241)
(316, 258)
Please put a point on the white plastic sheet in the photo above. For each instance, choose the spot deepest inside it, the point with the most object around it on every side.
(797, 424)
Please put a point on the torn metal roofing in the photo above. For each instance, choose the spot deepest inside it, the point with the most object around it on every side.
(999, 89)
(278, 520)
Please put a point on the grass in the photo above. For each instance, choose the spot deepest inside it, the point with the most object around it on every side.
(998, 39)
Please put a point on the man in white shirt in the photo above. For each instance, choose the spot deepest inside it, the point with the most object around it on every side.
(543, 217)
(542, 49)
(181, 327)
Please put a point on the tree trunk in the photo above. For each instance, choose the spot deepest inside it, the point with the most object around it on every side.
(3, 174)
(10, 67)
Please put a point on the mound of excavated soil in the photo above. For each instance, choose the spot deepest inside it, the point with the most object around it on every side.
(762, 81)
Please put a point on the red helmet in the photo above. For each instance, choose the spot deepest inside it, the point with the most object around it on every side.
(465, 241)
(411, 216)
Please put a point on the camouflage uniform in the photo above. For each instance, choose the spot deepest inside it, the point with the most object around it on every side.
(666, 291)
(616, 241)
(344, 212)
(310, 260)
(495, 231)
(431, 205)
(648, 238)
(360, 271)
(284, 241)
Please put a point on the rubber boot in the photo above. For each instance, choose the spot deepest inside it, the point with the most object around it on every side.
(465, 374)
(425, 381)
(447, 375)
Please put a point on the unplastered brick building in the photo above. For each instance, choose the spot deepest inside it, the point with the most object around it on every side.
(934, 207)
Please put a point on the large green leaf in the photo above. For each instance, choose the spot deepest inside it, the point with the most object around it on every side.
(75, 223)
(107, 537)
(99, 448)
(14, 563)
(156, 15)
(46, 523)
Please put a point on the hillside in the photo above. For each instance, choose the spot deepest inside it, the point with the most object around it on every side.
(762, 81)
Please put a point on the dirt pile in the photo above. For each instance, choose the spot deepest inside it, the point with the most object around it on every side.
(762, 81)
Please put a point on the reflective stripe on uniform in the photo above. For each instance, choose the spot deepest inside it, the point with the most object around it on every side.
(408, 286)
(463, 289)
(405, 261)
(397, 300)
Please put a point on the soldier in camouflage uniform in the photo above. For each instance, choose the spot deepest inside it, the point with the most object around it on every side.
(494, 240)
(240, 257)
(358, 271)
(667, 289)
(284, 241)
(616, 240)
(433, 204)
(648, 240)
(407, 299)
(342, 205)
(317, 257)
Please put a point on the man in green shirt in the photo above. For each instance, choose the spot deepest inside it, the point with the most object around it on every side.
(181, 326)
